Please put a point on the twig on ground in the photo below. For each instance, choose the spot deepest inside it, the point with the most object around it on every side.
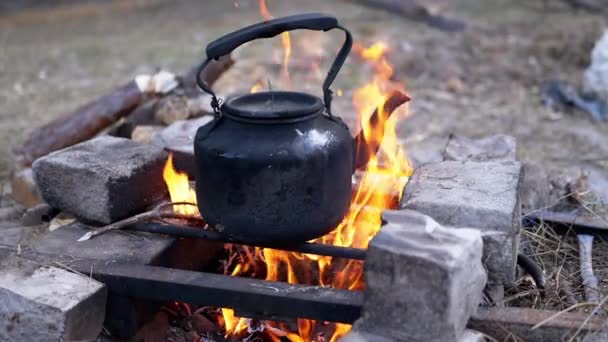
(590, 282)
(155, 214)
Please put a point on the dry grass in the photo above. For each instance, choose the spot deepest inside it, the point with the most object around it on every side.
(558, 256)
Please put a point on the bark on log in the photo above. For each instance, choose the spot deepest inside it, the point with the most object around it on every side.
(413, 10)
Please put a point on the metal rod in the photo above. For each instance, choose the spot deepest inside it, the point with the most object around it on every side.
(199, 233)
(252, 298)
(572, 221)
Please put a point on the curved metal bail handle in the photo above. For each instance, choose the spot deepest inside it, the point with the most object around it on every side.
(215, 102)
(310, 21)
(335, 68)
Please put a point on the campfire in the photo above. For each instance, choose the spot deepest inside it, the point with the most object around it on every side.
(164, 210)
(376, 188)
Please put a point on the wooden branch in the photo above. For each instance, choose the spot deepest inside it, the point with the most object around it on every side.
(413, 10)
(590, 282)
(155, 214)
(366, 148)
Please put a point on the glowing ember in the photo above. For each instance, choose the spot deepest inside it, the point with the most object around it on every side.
(179, 189)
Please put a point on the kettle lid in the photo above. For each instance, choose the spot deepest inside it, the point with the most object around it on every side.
(272, 107)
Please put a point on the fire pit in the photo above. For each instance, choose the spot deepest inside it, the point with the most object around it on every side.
(418, 255)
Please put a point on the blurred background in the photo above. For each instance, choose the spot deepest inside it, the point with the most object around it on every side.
(472, 67)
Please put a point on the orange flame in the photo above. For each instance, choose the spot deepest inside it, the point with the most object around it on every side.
(257, 87)
(179, 189)
(384, 173)
(285, 41)
(378, 187)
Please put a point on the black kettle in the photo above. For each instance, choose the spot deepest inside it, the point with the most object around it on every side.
(275, 167)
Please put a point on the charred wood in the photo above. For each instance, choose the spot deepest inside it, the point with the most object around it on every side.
(365, 147)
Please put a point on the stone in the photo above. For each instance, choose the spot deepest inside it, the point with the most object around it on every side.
(596, 75)
(423, 280)
(24, 189)
(102, 180)
(178, 138)
(493, 295)
(361, 336)
(536, 187)
(136, 248)
(423, 151)
(39, 303)
(480, 195)
(496, 147)
(42, 213)
(12, 212)
(145, 133)
(472, 336)
(13, 234)
(175, 108)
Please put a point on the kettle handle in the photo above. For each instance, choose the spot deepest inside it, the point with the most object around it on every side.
(310, 21)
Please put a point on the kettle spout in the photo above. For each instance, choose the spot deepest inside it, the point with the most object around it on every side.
(364, 148)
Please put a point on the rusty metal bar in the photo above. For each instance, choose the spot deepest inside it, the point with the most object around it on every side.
(579, 224)
(306, 247)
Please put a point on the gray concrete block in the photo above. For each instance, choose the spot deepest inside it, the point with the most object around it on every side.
(48, 304)
(102, 180)
(536, 187)
(423, 280)
(493, 148)
(137, 248)
(178, 138)
(481, 195)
